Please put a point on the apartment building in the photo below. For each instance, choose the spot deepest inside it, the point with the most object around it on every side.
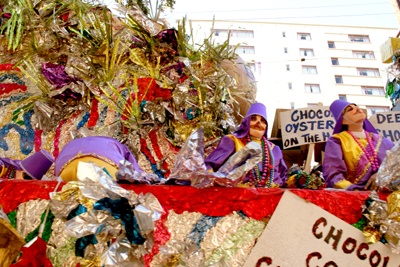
(298, 65)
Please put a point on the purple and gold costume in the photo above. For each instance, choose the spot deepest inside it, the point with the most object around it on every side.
(345, 164)
(104, 151)
(232, 143)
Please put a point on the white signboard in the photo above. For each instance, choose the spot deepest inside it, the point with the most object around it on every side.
(306, 126)
(387, 124)
(302, 234)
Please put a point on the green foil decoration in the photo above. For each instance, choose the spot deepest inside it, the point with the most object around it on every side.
(47, 228)
(12, 216)
(360, 224)
(243, 236)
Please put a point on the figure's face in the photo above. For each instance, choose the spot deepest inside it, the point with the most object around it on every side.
(354, 114)
(258, 125)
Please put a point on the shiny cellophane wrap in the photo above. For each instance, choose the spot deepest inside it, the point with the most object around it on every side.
(389, 172)
(190, 167)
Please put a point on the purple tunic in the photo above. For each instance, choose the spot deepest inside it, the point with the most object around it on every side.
(334, 167)
(104, 148)
(226, 148)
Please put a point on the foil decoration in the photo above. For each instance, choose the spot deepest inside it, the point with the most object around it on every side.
(29, 215)
(151, 26)
(87, 223)
(11, 243)
(179, 225)
(243, 237)
(389, 172)
(190, 166)
(121, 253)
(3, 215)
(61, 209)
(126, 172)
(222, 230)
(375, 210)
(96, 184)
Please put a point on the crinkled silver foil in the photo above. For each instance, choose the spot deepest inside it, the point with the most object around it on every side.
(144, 219)
(128, 173)
(121, 253)
(97, 184)
(190, 166)
(87, 223)
(377, 211)
(61, 209)
(392, 235)
(389, 172)
(29, 214)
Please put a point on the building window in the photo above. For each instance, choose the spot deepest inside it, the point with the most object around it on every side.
(221, 33)
(287, 67)
(331, 44)
(306, 52)
(372, 90)
(343, 97)
(312, 88)
(363, 54)
(303, 36)
(312, 104)
(290, 86)
(292, 105)
(310, 69)
(242, 34)
(338, 79)
(371, 110)
(283, 34)
(234, 33)
(245, 50)
(252, 66)
(368, 72)
(359, 38)
(285, 50)
(335, 61)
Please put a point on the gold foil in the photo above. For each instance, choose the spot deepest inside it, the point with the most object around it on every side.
(371, 235)
(29, 214)
(394, 206)
(72, 189)
(10, 243)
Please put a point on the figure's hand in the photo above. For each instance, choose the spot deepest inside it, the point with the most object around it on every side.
(371, 185)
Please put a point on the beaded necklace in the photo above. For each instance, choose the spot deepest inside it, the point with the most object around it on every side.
(259, 178)
(10, 173)
(374, 162)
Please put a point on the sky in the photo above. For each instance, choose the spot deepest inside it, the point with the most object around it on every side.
(369, 13)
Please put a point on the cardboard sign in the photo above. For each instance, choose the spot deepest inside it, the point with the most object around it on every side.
(302, 234)
(387, 124)
(306, 126)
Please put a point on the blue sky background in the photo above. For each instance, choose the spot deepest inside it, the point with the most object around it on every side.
(370, 13)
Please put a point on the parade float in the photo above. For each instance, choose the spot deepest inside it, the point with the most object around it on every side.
(71, 69)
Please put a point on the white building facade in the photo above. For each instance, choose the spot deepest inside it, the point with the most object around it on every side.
(301, 65)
